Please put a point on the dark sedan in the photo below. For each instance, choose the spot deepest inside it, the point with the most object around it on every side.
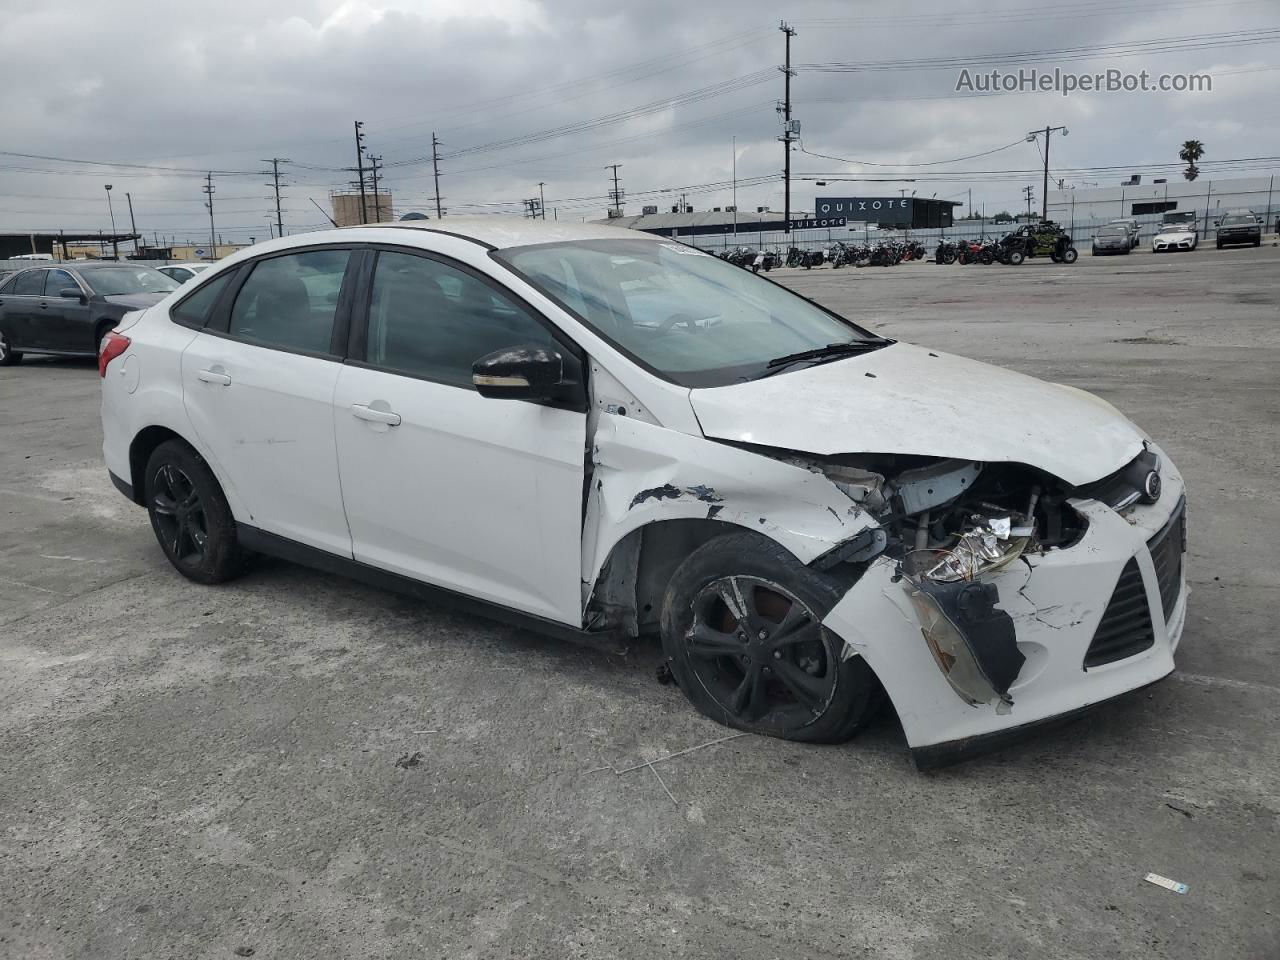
(66, 310)
(1240, 228)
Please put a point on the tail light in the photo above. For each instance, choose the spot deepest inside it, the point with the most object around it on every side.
(113, 344)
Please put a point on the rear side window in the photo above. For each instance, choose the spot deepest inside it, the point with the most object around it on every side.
(57, 281)
(29, 284)
(194, 310)
(290, 302)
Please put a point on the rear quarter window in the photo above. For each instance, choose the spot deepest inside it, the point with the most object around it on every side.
(194, 309)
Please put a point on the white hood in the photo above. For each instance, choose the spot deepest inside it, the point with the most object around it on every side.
(907, 399)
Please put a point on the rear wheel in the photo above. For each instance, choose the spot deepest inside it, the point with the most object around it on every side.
(8, 356)
(190, 515)
(742, 631)
(1016, 257)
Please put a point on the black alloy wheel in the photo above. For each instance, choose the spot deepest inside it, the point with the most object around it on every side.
(761, 653)
(743, 635)
(190, 515)
(181, 523)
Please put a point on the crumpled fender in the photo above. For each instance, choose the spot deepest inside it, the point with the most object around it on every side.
(645, 473)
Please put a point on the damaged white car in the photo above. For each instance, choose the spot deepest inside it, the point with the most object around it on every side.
(602, 434)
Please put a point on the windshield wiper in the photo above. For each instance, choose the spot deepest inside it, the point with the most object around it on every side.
(832, 351)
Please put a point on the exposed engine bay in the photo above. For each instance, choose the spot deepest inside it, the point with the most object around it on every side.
(947, 523)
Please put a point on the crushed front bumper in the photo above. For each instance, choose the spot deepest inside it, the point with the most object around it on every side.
(1058, 601)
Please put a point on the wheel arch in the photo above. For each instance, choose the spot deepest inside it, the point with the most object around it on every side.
(627, 592)
(144, 443)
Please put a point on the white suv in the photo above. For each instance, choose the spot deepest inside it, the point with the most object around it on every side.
(598, 433)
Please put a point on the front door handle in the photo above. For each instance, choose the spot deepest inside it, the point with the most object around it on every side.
(214, 376)
(364, 412)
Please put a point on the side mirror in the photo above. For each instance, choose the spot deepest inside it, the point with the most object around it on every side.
(72, 293)
(518, 373)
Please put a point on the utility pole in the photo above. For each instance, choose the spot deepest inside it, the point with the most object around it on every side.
(1028, 192)
(616, 193)
(1044, 193)
(115, 247)
(275, 177)
(435, 165)
(788, 127)
(213, 236)
(542, 200)
(735, 189)
(133, 224)
(364, 209)
(377, 205)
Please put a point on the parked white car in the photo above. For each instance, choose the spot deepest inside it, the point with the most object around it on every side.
(597, 433)
(182, 272)
(1175, 236)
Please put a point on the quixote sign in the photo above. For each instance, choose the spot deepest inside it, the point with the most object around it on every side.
(870, 209)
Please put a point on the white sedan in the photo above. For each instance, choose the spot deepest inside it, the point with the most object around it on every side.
(597, 433)
(1175, 236)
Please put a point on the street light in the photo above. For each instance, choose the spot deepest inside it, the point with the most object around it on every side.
(114, 247)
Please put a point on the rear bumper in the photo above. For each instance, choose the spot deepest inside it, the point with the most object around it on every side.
(1056, 600)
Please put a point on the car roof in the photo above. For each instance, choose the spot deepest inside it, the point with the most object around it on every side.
(500, 232)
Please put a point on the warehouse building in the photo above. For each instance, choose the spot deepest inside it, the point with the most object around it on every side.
(1148, 201)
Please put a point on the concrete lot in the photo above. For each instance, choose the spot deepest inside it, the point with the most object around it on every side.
(191, 772)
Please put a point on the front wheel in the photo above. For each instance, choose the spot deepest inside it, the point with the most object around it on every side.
(742, 630)
(190, 515)
(1016, 257)
(1070, 255)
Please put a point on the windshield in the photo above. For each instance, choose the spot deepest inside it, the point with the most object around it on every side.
(112, 281)
(1113, 232)
(689, 317)
(1237, 220)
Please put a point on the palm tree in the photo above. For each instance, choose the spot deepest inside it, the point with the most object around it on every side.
(1192, 150)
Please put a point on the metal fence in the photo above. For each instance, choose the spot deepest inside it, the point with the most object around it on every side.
(1081, 230)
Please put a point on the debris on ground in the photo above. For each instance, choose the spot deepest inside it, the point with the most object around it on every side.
(410, 760)
(1165, 882)
(665, 676)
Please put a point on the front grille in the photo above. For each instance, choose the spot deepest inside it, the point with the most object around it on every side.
(1125, 629)
(1167, 547)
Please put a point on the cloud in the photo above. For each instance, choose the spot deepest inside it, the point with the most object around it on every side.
(226, 87)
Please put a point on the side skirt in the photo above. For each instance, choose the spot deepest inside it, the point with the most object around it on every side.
(260, 541)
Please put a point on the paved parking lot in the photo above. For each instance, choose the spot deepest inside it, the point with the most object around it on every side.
(299, 766)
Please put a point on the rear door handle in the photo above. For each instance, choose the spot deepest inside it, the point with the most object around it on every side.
(212, 376)
(364, 412)
(44, 306)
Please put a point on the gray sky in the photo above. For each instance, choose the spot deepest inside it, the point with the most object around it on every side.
(226, 85)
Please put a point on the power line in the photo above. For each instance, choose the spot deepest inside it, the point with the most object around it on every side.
(1129, 48)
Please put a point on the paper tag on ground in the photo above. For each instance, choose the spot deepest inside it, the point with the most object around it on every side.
(1165, 882)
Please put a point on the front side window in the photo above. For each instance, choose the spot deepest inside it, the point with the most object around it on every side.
(29, 284)
(289, 302)
(690, 317)
(194, 310)
(428, 319)
(120, 281)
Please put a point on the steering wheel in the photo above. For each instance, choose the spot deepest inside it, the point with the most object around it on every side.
(675, 318)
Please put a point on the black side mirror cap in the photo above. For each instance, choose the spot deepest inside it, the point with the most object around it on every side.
(519, 373)
(72, 293)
